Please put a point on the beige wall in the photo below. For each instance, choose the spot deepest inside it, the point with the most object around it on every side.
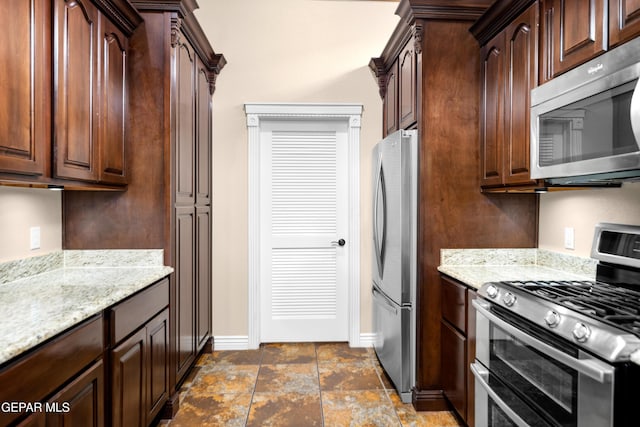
(23, 208)
(582, 210)
(285, 51)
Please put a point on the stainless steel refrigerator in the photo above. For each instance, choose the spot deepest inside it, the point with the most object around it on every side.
(395, 170)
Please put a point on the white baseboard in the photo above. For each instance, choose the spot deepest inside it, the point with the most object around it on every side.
(367, 339)
(231, 342)
(241, 342)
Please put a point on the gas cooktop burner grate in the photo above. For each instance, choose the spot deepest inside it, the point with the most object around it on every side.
(615, 305)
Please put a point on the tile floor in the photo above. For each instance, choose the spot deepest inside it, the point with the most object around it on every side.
(298, 385)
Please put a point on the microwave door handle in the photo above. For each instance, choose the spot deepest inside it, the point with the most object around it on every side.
(482, 374)
(592, 368)
(635, 112)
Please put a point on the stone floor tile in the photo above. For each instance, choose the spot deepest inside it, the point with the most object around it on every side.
(278, 353)
(224, 379)
(237, 357)
(368, 408)
(285, 410)
(297, 377)
(216, 410)
(348, 377)
(341, 353)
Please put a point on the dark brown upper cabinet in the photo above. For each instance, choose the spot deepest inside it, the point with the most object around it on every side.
(64, 121)
(112, 135)
(25, 115)
(407, 90)
(90, 99)
(624, 21)
(509, 72)
(398, 88)
(575, 31)
(390, 101)
(76, 51)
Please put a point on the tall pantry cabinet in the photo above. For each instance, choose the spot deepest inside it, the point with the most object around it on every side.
(167, 204)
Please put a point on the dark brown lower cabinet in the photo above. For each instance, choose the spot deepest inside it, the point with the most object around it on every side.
(128, 381)
(73, 358)
(140, 362)
(454, 356)
(457, 345)
(81, 403)
(139, 374)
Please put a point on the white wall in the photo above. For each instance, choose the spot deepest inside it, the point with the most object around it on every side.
(285, 51)
(582, 210)
(23, 208)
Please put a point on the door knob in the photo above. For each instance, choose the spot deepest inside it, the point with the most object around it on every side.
(340, 242)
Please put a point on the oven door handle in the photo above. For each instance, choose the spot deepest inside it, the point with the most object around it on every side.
(592, 368)
(482, 378)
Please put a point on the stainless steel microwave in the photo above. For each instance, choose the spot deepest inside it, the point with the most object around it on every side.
(585, 124)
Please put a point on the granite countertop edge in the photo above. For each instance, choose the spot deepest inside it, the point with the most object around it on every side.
(44, 296)
(474, 267)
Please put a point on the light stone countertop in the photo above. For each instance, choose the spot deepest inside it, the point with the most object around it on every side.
(43, 296)
(475, 267)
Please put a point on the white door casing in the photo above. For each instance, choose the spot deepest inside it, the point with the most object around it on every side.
(294, 268)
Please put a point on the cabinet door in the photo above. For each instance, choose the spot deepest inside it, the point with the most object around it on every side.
(624, 21)
(203, 127)
(407, 85)
(81, 403)
(390, 101)
(184, 307)
(185, 119)
(113, 101)
(454, 367)
(522, 76)
(576, 34)
(158, 363)
(25, 106)
(76, 44)
(203, 271)
(492, 111)
(128, 376)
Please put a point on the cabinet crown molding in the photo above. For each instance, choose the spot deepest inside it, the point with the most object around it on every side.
(457, 10)
(185, 21)
(496, 18)
(122, 13)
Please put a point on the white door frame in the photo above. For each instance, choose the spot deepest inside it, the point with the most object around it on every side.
(351, 114)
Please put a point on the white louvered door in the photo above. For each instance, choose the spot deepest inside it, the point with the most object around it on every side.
(304, 271)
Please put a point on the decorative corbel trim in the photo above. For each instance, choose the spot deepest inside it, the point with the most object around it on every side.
(418, 32)
(376, 65)
(176, 24)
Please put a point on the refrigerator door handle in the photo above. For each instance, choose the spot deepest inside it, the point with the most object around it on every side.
(386, 303)
(379, 241)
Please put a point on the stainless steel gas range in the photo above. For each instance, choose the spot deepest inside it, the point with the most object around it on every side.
(561, 353)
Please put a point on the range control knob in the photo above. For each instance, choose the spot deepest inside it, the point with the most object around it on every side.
(552, 319)
(581, 332)
(509, 299)
(492, 291)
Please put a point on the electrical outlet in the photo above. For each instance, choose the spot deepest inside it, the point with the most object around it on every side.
(34, 238)
(569, 238)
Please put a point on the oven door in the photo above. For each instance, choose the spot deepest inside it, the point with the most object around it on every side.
(527, 376)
